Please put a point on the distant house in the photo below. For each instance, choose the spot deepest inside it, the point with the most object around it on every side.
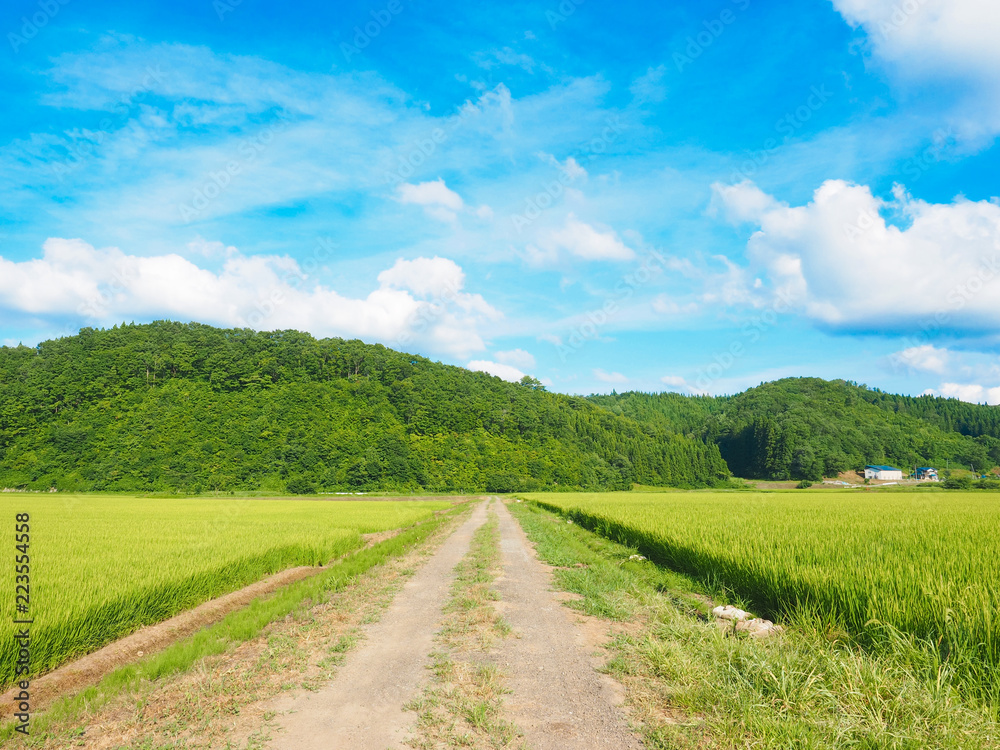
(882, 472)
(927, 474)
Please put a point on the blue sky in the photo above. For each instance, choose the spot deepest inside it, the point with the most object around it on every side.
(694, 197)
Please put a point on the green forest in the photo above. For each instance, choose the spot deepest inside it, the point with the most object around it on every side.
(808, 428)
(189, 408)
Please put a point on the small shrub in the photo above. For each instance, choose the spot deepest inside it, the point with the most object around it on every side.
(300, 486)
(804, 485)
(957, 483)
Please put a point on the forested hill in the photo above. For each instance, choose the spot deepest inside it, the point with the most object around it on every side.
(806, 428)
(191, 408)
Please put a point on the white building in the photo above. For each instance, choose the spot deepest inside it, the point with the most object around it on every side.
(882, 472)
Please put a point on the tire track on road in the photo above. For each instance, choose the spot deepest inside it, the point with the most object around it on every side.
(558, 699)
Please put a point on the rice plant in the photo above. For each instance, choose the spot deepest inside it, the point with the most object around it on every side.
(901, 572)
(101, 567)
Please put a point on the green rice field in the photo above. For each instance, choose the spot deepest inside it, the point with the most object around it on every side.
(101, 567)
(919, 569)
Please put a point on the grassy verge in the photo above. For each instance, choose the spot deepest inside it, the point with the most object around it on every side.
(295, 602)
(690, 685)
(462, 705)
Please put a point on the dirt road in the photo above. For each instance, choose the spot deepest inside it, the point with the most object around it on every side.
(362, 709)
(557, 698)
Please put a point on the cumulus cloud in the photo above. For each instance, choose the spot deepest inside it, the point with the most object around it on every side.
(421, 300)
(971, 392)
(926, 358)
(517, 358)
(839, 260)
(425, 276)
(583, 241)
(497, 369)
(610, 377)
(438, 200)
(580, 240)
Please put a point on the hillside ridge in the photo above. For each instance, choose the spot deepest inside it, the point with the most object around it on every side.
(189, 408)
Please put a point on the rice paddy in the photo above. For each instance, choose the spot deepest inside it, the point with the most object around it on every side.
(891, 570)
(101, 567)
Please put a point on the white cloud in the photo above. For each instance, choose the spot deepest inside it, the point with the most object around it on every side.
(971, 392)
(517, 358)
(940, 41)
(610, 377)
(420, 300)
(506, 56)
(505, 372)
(437, 199)
(680, 384)
(200, 246)
(426, 276)
(741, 202)
(571, 167)
(839, 261)
(926, 34)
(925, 357)
(649, 86)
(580, 240)
(664, 305)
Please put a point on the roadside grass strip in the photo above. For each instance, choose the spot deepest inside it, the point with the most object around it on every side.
(462, 706)
(692, 684)
(296, 602)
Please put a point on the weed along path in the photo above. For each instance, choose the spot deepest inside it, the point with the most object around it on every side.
(362, 708)
(558, 699)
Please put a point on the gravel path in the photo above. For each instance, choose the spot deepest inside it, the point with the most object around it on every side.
(362, 709)
(558, 699)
